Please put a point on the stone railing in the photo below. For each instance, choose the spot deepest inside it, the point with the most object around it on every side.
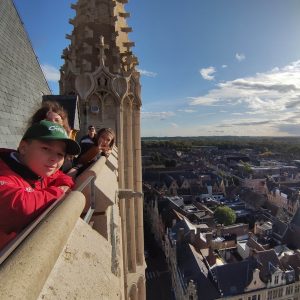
(64, 257)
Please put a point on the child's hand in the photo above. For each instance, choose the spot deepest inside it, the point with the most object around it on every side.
(64, 188)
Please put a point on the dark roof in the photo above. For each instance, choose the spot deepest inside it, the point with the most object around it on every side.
(267, 260)
(233, 278)
(292, 261)
(69, 103)
(271, 185)
(150, 176)
(279, 227)
(291, 237)
(296, 219)
(193, 268)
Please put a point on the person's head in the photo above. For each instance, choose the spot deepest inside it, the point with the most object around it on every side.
(91, 131)
(53, 112)
(44, 147)
(106, 138)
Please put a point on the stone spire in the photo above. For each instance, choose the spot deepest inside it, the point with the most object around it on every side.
(94, 19)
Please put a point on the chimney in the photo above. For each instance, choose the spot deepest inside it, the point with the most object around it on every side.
(209, 190)
(209, 237)
(211, 258)
(180, 235)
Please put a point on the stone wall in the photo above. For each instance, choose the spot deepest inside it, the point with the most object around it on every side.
(22, 82)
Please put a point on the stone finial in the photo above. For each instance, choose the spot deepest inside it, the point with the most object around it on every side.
(102, 48)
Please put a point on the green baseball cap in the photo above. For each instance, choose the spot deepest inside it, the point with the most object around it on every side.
(49, 131)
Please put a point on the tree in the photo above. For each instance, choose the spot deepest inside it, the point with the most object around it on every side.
(225, 215)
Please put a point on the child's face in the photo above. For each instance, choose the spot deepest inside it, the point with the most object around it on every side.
(44, 158)
(105, 140)
(54, 117)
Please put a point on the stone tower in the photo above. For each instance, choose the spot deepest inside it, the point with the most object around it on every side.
(100, 68)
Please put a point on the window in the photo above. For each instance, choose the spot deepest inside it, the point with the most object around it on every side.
(289, 290)
(269, 295)
(254, 297)
(280, 292)
(276, 279)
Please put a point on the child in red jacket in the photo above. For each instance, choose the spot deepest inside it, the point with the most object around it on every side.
(30, 178)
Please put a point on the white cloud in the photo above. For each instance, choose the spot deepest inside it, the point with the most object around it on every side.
(224, 66)
(147, 73)
(275, 90)
(174, 125)
(163, 115)
(237, 114)
(207, 73)
(274, 95)
(187, 110)
(50, 72)
(240, 56)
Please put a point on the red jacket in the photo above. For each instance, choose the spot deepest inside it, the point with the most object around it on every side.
(24, 195)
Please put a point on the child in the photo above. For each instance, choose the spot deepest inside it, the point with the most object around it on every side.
(104, 143)
(54, 112)
(30, 178)
(51, 111)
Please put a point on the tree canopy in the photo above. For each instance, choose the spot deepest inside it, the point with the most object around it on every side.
(225, 215)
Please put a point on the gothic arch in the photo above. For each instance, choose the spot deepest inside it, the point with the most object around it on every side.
(110, 109)
(134, 89)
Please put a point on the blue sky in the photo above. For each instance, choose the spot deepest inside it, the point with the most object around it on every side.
(209, 67)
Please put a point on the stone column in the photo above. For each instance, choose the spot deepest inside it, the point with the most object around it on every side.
(138, 185)
(120, 144)
(131, 237)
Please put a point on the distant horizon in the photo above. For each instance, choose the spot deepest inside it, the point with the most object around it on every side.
(223, 136)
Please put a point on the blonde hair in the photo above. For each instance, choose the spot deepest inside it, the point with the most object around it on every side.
(106, 131)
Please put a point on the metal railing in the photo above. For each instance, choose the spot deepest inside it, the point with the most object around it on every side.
(90, 180)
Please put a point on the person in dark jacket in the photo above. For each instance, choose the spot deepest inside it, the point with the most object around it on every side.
(30, 179)
(87, 141)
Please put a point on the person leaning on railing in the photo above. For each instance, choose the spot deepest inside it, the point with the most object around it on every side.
(103, 145)
(30, 179)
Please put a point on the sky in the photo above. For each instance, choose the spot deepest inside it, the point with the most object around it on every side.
(208, 67)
